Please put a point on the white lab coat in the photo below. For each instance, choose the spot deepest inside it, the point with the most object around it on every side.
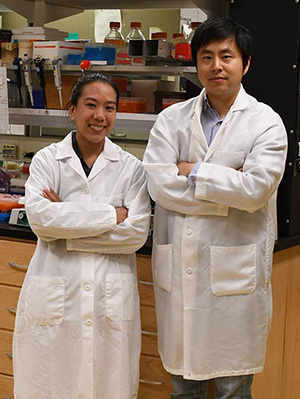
(213, 243)
(77, 333)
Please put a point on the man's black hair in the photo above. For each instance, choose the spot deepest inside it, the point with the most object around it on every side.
(219, 28)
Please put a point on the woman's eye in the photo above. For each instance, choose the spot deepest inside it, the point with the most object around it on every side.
(110, 108)
(90, 105)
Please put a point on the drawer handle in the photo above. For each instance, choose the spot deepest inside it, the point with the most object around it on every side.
(16, 266)
(9, 354)
(151, 382)
(145, 282)
(149, 333)
(12, 310)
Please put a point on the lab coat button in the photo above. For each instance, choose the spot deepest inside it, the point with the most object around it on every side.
(189, 270)
(189, 232)
(89, 322)
(85, 254)
(85, 190)
(87, 287)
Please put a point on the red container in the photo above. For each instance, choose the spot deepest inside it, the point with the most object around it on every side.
(183, 51)
(132, 104)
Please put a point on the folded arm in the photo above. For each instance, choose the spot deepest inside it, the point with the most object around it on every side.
(62, 220)
(250, 188)
(166, 185)
(131, 234)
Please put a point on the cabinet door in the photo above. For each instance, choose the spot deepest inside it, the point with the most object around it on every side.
(149, 331)
(8, 305)
(155, 382)
(6, 387)
(6, 352)
(14, 260)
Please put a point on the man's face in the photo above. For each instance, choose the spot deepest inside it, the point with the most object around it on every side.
(220, 68)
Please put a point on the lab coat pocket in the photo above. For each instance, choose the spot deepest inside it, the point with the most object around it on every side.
(233, 160)
(162, 265)
(233, 270)
(45, 300)
(121, 297)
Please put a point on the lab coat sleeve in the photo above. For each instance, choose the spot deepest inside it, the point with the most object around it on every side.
(252, 187)
(61, 220)
(166, 187)
(129, 235)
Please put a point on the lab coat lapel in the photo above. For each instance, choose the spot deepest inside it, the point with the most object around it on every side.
(109, 153)
(239, 104)
(198, 144)
(65, 152)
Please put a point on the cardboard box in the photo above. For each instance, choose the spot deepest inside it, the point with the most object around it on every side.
(50, 50)
(52, 96)
(145, 88)
(8, 52)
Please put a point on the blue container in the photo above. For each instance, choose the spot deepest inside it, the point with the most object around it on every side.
(74, 59)
(4, 216)
(100, 52)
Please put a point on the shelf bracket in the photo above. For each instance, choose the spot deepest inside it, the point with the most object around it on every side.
(40, 12)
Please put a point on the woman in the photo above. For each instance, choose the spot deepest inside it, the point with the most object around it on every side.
(77, 329)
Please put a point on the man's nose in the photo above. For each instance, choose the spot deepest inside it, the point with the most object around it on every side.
(217, 64)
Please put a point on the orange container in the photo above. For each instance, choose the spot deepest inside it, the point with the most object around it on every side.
(9, 202)
(132, 104)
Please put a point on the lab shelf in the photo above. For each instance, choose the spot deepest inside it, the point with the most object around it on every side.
(59, 119)
(157, 70)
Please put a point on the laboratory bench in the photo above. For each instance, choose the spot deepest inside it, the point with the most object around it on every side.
(279, 380)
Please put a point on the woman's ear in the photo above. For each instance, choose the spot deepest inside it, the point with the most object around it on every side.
(72, 111)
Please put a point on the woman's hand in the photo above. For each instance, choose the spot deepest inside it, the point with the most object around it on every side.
(122, 213)
(185, 168)
(51, 195)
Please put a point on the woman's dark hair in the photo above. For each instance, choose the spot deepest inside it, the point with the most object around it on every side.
(88, 78)
(219, 28)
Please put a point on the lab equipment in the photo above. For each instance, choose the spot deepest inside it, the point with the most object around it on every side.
(56, 63)
(27, 63)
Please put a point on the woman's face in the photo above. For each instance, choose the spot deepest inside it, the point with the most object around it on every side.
(95, 113)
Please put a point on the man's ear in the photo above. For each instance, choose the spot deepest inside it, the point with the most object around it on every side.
(247, 66)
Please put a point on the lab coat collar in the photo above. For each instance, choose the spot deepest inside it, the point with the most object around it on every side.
(239, 104)
(65, 149)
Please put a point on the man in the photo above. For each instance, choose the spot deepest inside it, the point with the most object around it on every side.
(213, 163)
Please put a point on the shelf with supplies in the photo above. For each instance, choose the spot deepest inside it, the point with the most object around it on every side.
(155, 70)
(59, 119)
(126, 121)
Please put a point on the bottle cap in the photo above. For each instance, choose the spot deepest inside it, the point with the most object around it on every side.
(159, 35)
(195, 24)
(114, 24)
(175, 35)
(135, 25)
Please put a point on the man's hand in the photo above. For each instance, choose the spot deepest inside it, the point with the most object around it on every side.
(51, 195)
(122, 213)
(185, 168)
